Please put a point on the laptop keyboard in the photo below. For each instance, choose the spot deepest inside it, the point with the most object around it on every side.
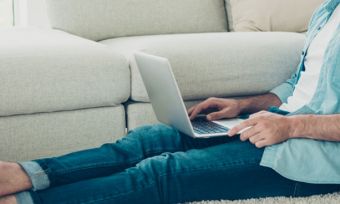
(207, 127)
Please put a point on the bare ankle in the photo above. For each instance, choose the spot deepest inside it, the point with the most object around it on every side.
(13, 179)
(8, 200)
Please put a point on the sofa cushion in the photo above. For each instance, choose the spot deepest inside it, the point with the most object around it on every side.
(139, 114)
(103, 19)
(217, 64)
(50, 70)
(270, 15)
(27, 137)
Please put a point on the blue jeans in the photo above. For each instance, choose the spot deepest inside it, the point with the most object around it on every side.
(157, 164)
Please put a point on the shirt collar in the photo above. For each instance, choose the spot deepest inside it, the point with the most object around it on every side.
(331, 5)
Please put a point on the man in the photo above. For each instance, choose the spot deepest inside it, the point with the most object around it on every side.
(157, 164)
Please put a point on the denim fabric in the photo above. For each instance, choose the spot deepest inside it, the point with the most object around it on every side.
(157, 164)
(24, 198)
(308, 160)
(37, 175)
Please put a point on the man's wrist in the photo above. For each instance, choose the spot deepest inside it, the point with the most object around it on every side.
(258, 103)
(243, 105)
(300, 126)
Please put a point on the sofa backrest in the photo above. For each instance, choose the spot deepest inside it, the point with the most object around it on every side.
(103, 19)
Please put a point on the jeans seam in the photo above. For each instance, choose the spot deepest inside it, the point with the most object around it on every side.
(211, 167)
(296, 186)
(108, 197)
(106, 164)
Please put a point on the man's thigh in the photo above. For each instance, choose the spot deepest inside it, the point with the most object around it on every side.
(226, 171)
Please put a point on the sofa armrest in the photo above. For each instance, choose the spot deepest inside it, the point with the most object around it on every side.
(45, 70)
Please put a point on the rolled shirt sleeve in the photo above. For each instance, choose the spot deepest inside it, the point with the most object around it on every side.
(286, 89)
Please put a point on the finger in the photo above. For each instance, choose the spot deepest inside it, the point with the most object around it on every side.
(191, 109)
(261, 143)
(249, 133)
(200, 107)
(255, 138)
(217, 115)
(196, 111)
(247, 123)
(261, 113)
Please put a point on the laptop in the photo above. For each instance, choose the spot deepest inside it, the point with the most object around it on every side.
(167, 101)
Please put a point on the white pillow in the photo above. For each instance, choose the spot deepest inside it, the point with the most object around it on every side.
(270, 15)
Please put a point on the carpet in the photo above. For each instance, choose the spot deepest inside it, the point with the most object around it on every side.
(321, 199)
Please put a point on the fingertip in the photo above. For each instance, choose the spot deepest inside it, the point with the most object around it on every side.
(230, 133)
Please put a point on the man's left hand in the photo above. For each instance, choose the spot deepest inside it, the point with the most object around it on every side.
(264, 129)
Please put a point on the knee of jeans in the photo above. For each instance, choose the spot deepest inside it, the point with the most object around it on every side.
(161, 165)
(157, 130)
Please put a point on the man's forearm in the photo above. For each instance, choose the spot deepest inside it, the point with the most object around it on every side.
(322, 127)
(258, 103)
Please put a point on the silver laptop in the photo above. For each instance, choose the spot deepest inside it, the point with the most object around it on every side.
(167, 101)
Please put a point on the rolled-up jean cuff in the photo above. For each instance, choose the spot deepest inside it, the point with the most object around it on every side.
(37, 175)
(24, 198)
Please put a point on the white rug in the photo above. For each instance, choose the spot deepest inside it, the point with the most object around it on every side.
(323, 199)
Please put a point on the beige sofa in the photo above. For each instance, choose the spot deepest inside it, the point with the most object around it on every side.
(77, 86)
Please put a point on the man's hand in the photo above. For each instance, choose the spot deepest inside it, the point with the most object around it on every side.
(227, 108)
(230, 108)
(265, 129)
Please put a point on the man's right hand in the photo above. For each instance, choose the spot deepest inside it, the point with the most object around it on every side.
(226, 108)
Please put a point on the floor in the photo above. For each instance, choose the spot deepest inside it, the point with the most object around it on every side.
(324, 199)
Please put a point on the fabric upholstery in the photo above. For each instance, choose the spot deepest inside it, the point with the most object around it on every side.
(270, 15)
(28, 137)
(217, 64)
(139, 114)
(103, 19)
(50, 70)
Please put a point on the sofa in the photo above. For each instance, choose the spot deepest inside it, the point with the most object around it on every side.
(77, 85)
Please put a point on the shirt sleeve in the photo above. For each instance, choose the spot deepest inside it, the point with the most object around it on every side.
(286, 89)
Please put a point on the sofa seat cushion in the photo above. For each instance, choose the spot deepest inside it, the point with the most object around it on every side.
(27, 137)
(49, 70)
(217, 64)
(139, 114)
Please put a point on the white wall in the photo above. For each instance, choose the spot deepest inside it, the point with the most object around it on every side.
(37, 15)
(31, 13)
(6, 17)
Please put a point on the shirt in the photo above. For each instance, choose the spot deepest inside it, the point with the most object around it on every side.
(306, 86)
(308, 160)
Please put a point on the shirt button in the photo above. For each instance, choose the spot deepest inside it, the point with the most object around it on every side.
(303, 53)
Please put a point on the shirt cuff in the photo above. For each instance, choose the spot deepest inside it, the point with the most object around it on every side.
(37, 175)
(283, 91)
(24, 198)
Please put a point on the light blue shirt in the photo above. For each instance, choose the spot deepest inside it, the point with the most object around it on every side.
(308, 160)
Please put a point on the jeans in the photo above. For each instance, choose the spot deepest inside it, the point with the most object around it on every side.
(158, 164)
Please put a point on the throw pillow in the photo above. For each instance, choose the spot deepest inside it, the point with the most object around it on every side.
(270, 15)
